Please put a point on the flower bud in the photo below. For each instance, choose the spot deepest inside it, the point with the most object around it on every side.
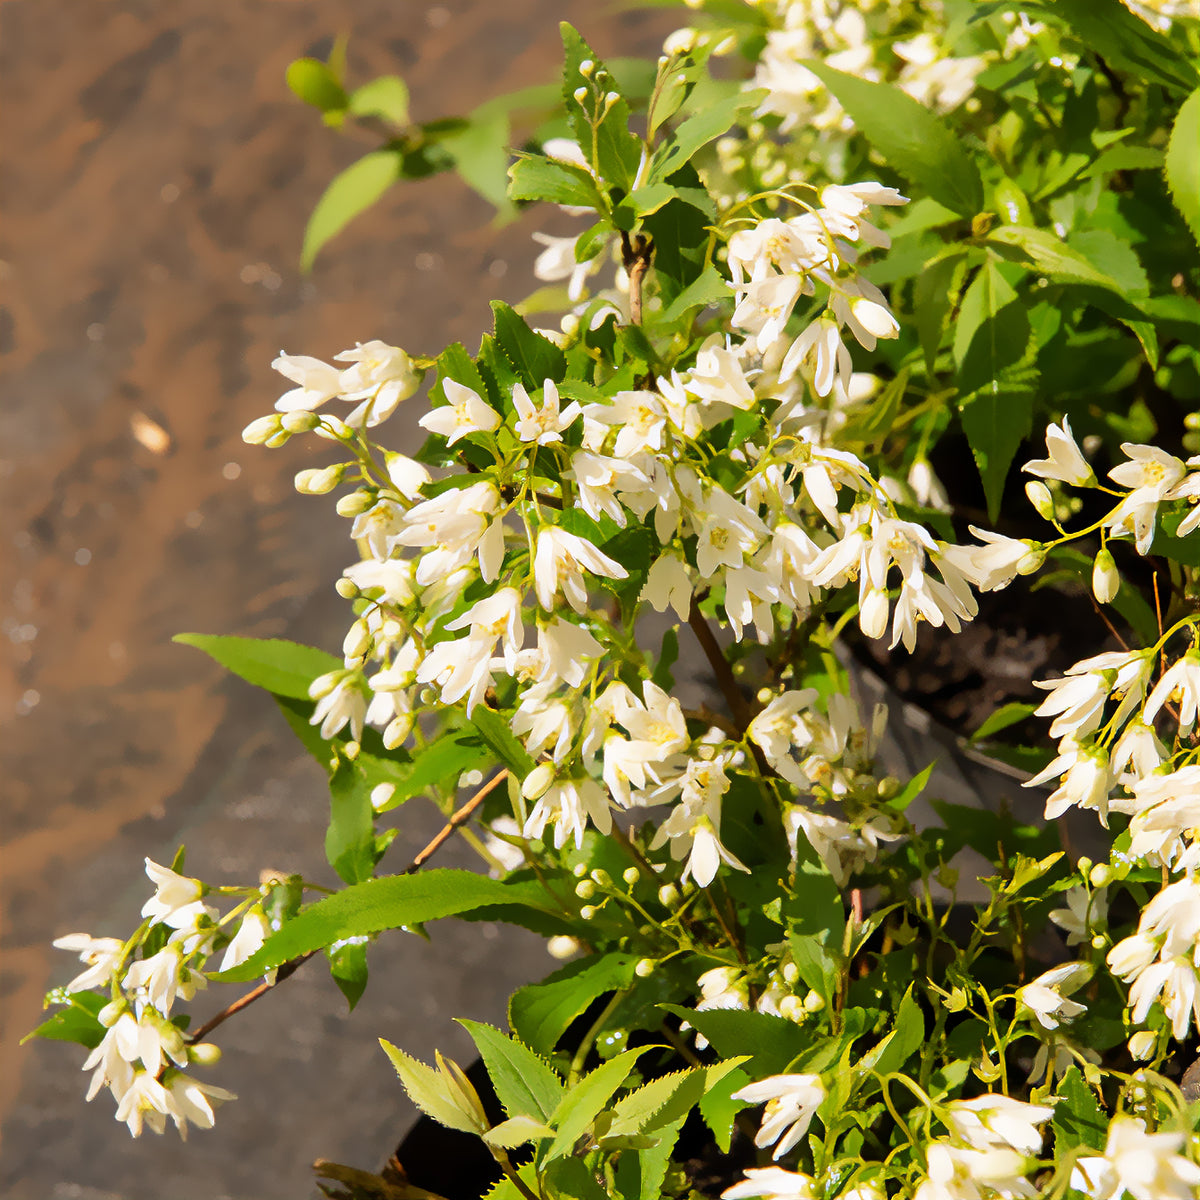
(538, 781)
(324, 684)
(316, 481)
(397, 731)
(602, 878)
(586, 68)
(1106, 579)
(1039, 496)
(562, 946)
(204, 1054)
(814, 1002)
(277, 439)
(645, 968)
(1084, 864)
(261, 430)
(1099, 942)
(1142, 1045)
(790, 973)
(300, 420)
(346, 588)
(585, 889)
(792, 1008)
(580, 94)
(588, 911)
(579, 870)
(333, 429)
(381, 793)
(873, 616)
(668, 895)
(1101, 875)
(875, 318)
(358, 640)
(631, 875)
(354, 504)
(1033, 560)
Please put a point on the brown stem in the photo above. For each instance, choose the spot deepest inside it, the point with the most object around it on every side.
(286, 970)
(635, 257)
(457, 819)
(738, 708)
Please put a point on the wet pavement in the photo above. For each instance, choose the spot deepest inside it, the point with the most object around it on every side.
(155, 178)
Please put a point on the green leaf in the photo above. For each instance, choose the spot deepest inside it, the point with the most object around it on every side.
(641, 203)
(937, 291)
(664, 1101)
(385, 97)
(680, 233)
(350, 836)
(389, 902)
(641, 1176)
(539, 1013)
(1048, 255)
(1183, 163)
(696, 132)
(480, 153)
(281, 667)
(516, 1131)
(1078, 1118)
(1113, 257)
(536, 177)
(718, 1107)
(771, 1042)
(316, 84)
(1124, 41)
(709, 287)
(349, 193)
(495, 730)
(348, 967)
(570, 1179)
(1002, 718)
(904, 1040)
(427, 1089)
(440, 762)
(525, 1084)
(914, 142)
(996, 419)
(586, 1100)
(535, 357)
(77, 1022)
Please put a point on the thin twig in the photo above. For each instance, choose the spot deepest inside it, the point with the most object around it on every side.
(738, 708)
(635, 257)
(457, 819)
(284, 972)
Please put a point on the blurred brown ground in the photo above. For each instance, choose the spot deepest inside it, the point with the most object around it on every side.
(155, 178)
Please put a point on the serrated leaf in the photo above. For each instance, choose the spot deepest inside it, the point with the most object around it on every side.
(385, 97)
(571, 1179)
(1183, 163)
(917, 144)
(516, 1131)
(525, 1084)
(427, 1089)
(666, 1100)
(996, 419)
(771, 1042)
(903, 1041)
(541, 1012)
(936, 294)
(718, 1107)
(535, 357)
(389, 902)
(281, 667)
(497, 733)
(349, 193)
(315, 83)
(537, 177)
(1049, 255)
(1078, 1118)
(709, 287)
(697, 131)
(584, 1102)
(640, 1176)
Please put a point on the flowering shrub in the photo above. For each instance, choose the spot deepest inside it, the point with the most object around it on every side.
(823, 243)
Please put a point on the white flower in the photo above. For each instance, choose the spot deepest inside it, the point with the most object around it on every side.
(157, 980)
(639, 418)
(1182, 680)
(111, 1060)
(819, 349)
(100, 954)
(993, 1121)
(338, 704)
(543, 426)
(777, 731)
(317, 382)
(1065, 461)
(1044, 996)
(190, 1100)
(1086, 912)
(568, 804)
(457, 523)
(958, 1173)
(176, 900)
(382, 376)
(598, 478)
(668, 584)
(1137, 1164)
(791, 1102)
(144, 1101)
(694, 825)
(1152, 474)
(558, 262)
(465, 413)
(773, 1183)
(723, 988)
(252, 933)
(559, 562)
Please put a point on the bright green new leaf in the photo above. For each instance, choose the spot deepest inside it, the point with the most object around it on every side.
(664, 1101)
(536, 177)
(434, 1092)
(718, 1107)
(1183, 163)
(696, 132)
(389, 902)
(1002, 718)
(481, 157)
(1048, 255)
(539, 1013)
(584, 1102)
(281, 667)
(349, 193)
(498, 734)
(525, 1084)
(348, 969)
(916, 143)
(77, 1022)
(1078, 1118)
(316, 84)
(516, 1131)
(771, 1042)
(535, 357)
(350, 837)
(709, 287)
(385, 97)
(905, 1039)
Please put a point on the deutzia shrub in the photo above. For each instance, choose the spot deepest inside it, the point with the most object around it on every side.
(822, 247)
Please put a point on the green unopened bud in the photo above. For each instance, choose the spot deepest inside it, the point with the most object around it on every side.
(261, 430)
(355, 504)
(1033, 560)
(645, 968)
(602, 878)
(1041, 499)
(588, 911)
(357, 641)
(1106, 579)
(631, 875)
(277, 439)
(1101, 875)
(585, 889)
(580, 94)
(1084, 864)
(205, 1054)
(537, 782)
(668, 895)
(346, 588)
(1142, 1045)
(316, 481)
(461, 1092)
(300, 420)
